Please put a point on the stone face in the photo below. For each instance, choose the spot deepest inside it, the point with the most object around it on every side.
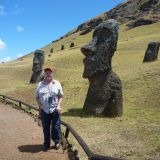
(71, 45)
(38, 62)
(101, 49)
(51, 50)
(62, 47)
(151, 53)
(105, 91)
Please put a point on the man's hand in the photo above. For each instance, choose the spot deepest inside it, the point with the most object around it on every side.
(58, 108)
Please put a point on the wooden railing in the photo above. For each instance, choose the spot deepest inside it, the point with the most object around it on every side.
(69, 129)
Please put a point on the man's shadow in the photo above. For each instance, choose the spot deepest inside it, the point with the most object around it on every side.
(31, 148)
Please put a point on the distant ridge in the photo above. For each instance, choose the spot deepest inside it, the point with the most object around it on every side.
(133, 13)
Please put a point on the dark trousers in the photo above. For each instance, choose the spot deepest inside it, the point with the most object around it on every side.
(51, 125)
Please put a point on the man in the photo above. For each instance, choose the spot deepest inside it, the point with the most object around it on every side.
(49, 97)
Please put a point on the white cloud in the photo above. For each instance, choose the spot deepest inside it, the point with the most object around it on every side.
(6, 59)
(19, 55)
(19, 28)
(16, 9)
(2, 44)
(2, 12)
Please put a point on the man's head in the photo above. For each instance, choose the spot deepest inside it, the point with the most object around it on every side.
(101, 49)
(38, 60)
(48, 74)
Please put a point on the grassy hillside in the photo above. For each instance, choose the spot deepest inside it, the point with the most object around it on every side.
(135, 135)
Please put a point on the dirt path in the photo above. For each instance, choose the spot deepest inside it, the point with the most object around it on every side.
(21, 138)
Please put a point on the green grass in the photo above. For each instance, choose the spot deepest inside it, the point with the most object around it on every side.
(135, 135)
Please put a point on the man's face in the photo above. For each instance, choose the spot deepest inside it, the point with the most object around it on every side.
(38, 62)
(48, 76)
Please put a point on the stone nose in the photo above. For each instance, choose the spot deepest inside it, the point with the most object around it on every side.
(89, 49)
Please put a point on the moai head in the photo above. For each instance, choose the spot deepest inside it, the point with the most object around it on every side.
(62, 47)
(151, 53)
(98, 53)
(38, 61)
(71, 45)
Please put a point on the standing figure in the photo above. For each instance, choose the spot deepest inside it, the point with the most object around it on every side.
(49, 97)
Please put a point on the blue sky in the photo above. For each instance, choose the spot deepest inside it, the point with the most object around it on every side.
(26, 25)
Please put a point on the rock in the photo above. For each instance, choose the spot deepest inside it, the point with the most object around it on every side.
(130, 17)
(104, 95)
(90, 24)
(146, 6)
(140, 22)
(151, 53)
(85, 31)
(38, 62)
(55, 41)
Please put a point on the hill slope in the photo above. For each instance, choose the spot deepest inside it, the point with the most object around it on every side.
(132, 13)
(134, 136)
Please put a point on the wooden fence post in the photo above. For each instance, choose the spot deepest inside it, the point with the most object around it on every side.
(67, 133)
(20, 104)
(4, 98)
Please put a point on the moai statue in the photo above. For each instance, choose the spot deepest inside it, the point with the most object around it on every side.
(151, 52)
(51, 50)
(38, 62)
(71, 45)
(62, 47)
(104, 95)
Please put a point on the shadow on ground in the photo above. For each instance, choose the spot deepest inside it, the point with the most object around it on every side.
(76, 112)
(31, 148)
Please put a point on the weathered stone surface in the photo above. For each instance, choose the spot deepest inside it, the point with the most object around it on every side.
(85, 31)
(104, 95)
(151, 53)
(140, 22)
(38, 62)
(90, 24)
(105, 90)
(148, 4)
